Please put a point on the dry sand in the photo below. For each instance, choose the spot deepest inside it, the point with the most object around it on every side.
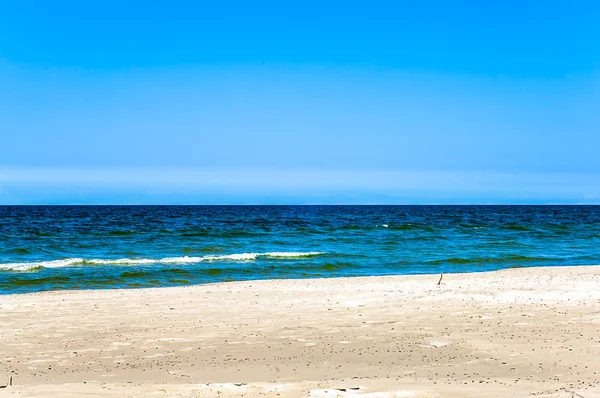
(520, 332)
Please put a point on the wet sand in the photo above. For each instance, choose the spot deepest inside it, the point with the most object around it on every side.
(518, 332)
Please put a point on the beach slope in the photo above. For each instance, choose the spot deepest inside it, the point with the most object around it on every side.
(517, 332)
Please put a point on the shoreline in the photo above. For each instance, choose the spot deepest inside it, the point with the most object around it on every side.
(67, 291)
(516, 331)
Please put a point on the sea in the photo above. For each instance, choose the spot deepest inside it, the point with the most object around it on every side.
(122, 247)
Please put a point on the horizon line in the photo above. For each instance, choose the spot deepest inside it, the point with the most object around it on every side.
(295, 204)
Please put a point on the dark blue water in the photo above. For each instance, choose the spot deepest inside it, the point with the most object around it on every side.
(83, 247)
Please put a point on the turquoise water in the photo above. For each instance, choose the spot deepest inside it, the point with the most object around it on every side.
(88, 247)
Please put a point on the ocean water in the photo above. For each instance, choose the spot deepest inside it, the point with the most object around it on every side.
(90, 247)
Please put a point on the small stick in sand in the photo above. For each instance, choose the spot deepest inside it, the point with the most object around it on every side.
(176, 374)
(9, 383)
(440, 281)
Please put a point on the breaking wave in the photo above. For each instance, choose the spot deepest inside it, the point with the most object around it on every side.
(70, 262)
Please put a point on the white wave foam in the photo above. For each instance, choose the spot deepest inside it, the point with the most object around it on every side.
(41, 264)
(291, 254)
(141, 261)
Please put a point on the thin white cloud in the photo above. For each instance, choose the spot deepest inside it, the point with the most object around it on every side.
(555, 185)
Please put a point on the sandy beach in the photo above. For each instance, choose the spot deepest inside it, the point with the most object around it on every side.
(518, 332)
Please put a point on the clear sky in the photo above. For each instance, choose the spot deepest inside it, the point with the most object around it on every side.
(299, 102)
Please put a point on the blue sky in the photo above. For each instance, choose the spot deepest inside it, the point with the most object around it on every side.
(306, 102)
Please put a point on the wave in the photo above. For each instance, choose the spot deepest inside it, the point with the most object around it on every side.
(482, 260)
(516, 227)
(121, 233)
(18, 250)
(69, 262)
